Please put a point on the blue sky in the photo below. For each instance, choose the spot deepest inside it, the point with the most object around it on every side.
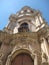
(8, 7)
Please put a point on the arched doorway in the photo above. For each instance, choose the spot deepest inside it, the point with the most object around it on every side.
(23, 59)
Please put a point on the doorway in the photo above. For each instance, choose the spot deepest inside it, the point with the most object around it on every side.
(23, 59)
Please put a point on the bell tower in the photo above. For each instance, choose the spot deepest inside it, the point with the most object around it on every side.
(26, 16)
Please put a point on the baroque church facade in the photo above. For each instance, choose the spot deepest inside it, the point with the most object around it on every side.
(25, 40)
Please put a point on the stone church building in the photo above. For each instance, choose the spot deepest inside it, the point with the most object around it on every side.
(25, 40)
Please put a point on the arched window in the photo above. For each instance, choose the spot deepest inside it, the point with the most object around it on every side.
(23, 27)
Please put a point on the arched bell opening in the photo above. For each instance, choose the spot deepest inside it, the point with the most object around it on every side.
(23, 27)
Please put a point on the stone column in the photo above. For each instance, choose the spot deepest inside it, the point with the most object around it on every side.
(45, 50)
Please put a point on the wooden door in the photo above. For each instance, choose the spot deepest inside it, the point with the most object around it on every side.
(23, 59)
